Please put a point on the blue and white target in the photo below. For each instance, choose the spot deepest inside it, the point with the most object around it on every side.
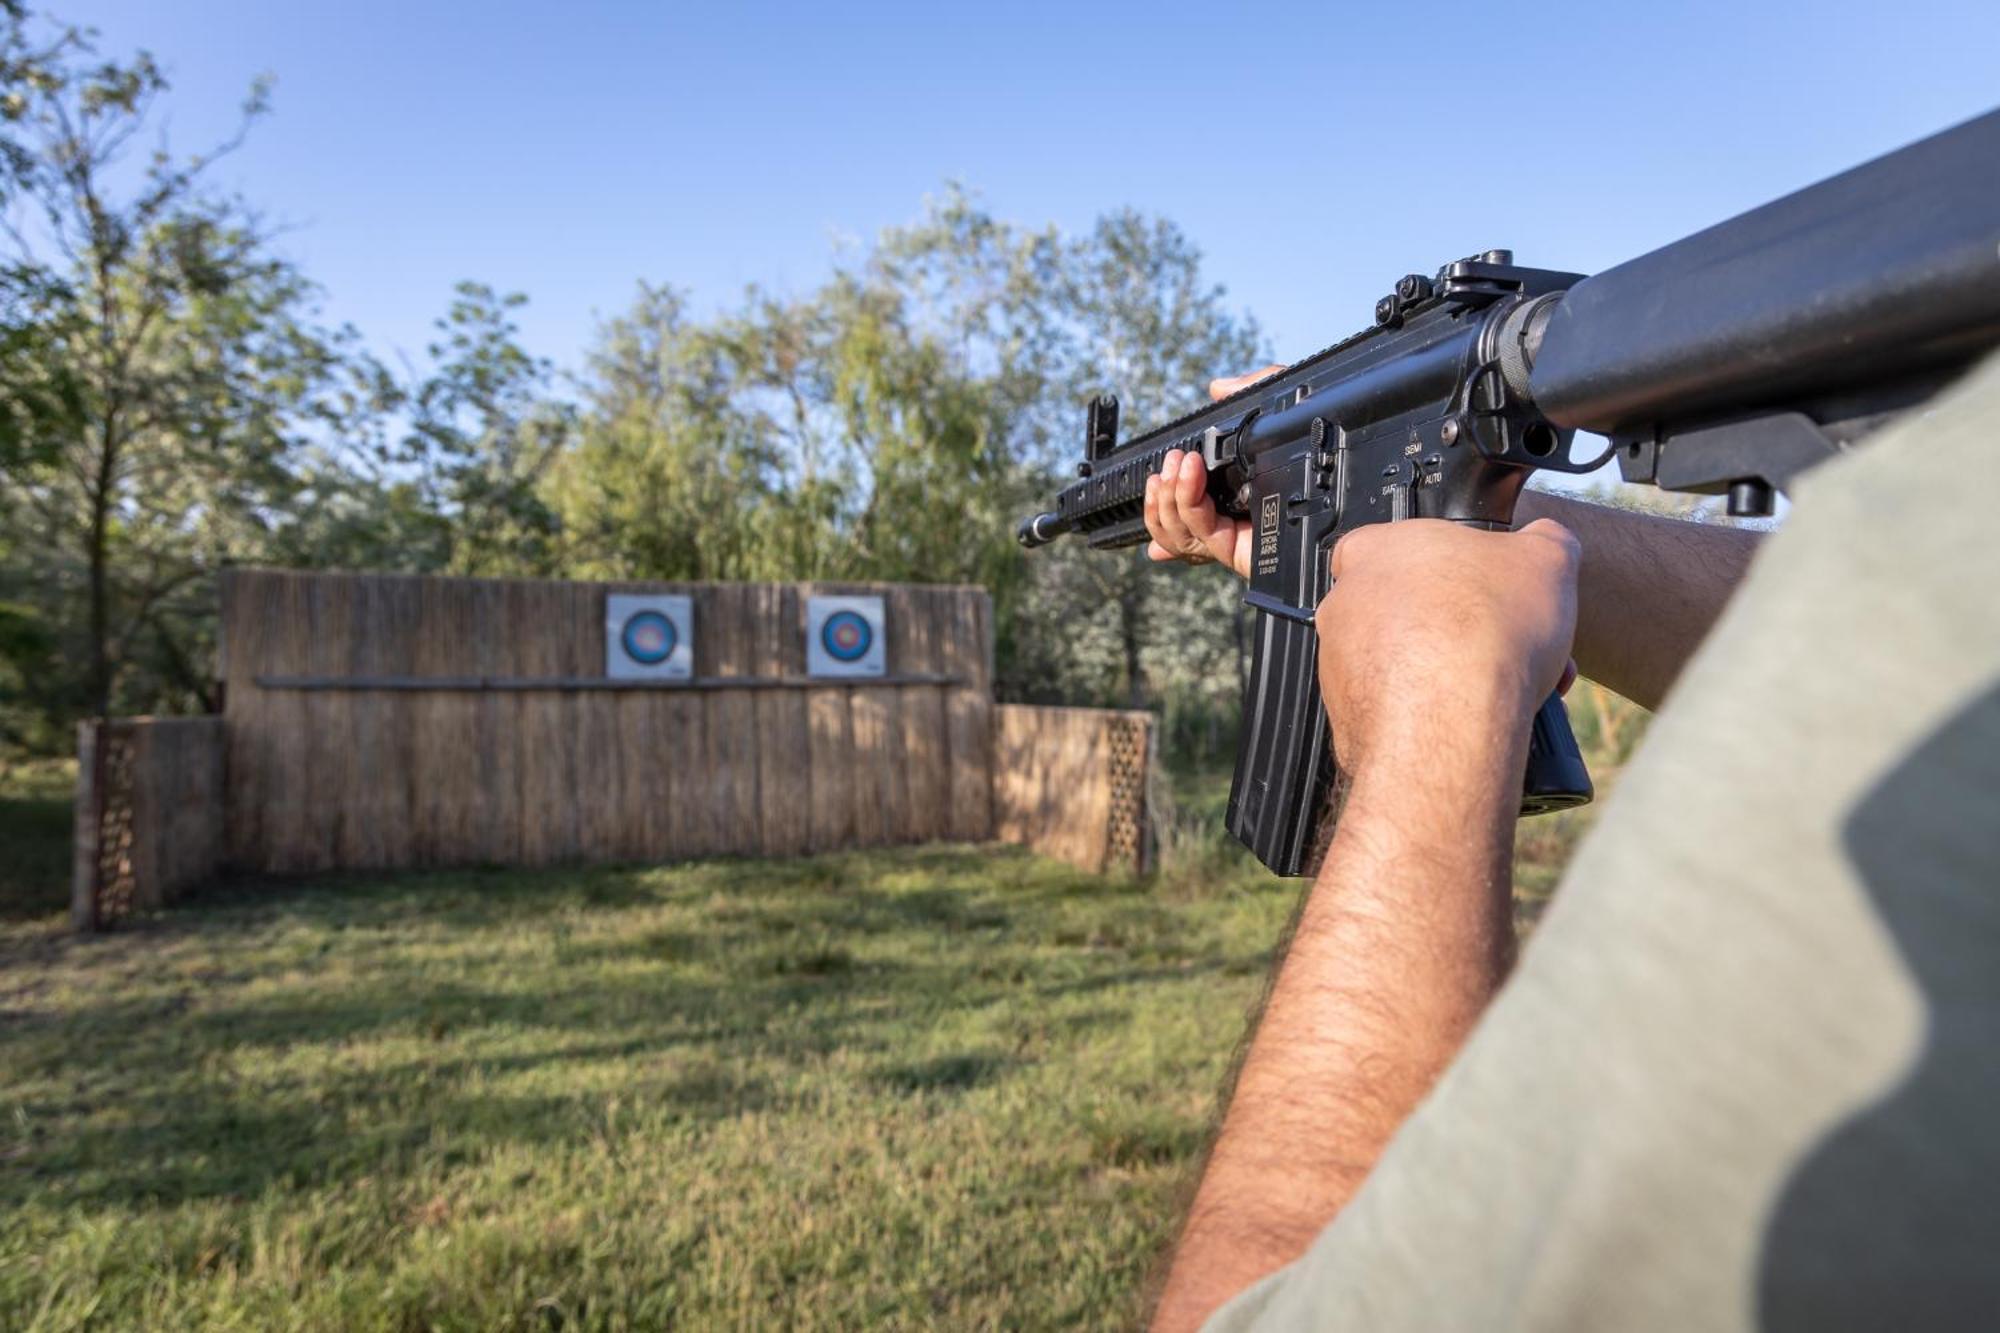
(844, 637)
(648, 636)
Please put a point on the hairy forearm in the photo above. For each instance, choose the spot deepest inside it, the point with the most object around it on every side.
(1648, 590)
(1404, 937)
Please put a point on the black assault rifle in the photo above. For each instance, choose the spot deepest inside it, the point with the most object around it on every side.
(1725, 363)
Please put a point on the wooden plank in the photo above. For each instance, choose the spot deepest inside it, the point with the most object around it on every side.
(968, 724)
(176, 806)
(243, 722)
(373, 785)
(644, 805)
(395, 615)
(784, 738)
(86, 823)
(289, 807)
(1050, 781)
(664, 798)
(546, 763)
(881, 792)
(679, 743)
(730, 732)
(833, 769)
(247, 721)
(682, 743)
(448, 792)
(916, 640)
(358, 788)
(605, 832)
(326, 782)
(494, 827)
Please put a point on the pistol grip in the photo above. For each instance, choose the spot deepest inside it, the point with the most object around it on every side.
(1556, 778)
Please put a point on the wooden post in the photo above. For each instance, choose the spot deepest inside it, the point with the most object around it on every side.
(84, 860)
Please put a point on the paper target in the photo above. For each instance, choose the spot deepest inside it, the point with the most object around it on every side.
(845, 637)
(648, 636)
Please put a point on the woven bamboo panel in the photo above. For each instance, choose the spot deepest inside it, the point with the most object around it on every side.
(149, 814)
(466, 772)
(1072, 782)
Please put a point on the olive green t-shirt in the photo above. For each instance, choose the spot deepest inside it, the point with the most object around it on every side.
(1747, 1073)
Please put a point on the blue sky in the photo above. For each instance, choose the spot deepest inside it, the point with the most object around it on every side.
(1315, 152)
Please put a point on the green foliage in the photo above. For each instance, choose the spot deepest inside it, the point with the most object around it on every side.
(165, 374)
(35, 800)
(483, 435)
(34, 686)
(666, 480)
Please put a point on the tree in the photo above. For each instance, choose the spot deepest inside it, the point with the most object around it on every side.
(826, 437)
(484, 434)
(180, 351)
(667, 478)
(896, 423)
(1049, 322)
(1146, 324)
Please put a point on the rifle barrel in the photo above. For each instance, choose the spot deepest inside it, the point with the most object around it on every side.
(1891, 267)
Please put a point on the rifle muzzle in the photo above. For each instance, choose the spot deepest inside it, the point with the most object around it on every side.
(1040, 530)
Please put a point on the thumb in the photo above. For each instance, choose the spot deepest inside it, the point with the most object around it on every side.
(1219, 389)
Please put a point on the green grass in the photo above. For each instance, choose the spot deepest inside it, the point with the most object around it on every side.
(949, 1087)
(946, 1087)
(35, 796)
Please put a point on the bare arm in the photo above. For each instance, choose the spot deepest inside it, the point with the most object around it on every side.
(1649, 589)
(1407, 932)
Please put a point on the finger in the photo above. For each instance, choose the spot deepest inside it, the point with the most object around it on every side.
(1343, 551)
(1219, 389)
(1152, 508)
(1155, 551)
(1189, 496)
(1197, 510)
(1548, 530)
(1174, 534)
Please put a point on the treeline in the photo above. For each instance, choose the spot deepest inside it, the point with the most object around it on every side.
(172, 402)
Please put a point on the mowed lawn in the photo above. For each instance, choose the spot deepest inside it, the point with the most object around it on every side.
(934, 1087)
(949, 1087)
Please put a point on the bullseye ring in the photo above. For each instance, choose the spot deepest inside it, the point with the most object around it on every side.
(649, 638)
(846, 636)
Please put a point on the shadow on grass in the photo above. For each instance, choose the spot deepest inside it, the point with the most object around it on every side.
(946, 1073)
(225, 1145)
(35, 869)
(297, 1034)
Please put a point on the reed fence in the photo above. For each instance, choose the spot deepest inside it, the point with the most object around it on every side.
(383, 722)
(148, 815)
